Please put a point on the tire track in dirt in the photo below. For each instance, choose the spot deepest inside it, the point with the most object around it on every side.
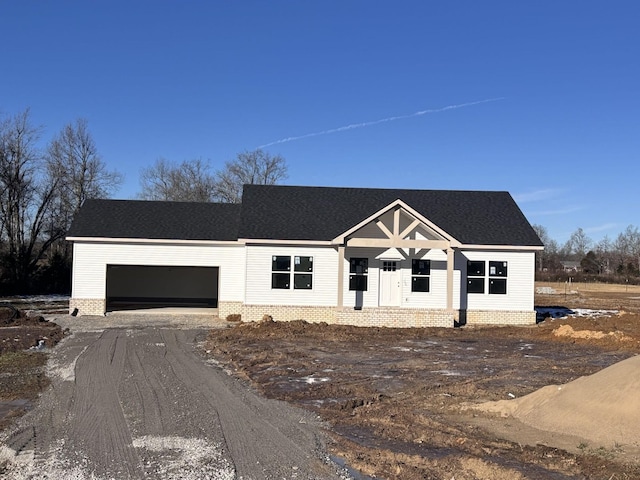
(99, 426)
(260, 435)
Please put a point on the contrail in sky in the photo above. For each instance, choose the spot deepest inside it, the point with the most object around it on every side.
(383, 120)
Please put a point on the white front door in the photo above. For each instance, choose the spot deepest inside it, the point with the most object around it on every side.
(390, 283)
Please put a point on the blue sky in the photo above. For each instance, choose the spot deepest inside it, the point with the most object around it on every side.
(538, 98)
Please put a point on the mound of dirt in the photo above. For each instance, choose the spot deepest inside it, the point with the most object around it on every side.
(603, 408)
(19, 331)
(568, 331)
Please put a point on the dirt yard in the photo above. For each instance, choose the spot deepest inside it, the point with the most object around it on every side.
(22, 375)
(398, 401)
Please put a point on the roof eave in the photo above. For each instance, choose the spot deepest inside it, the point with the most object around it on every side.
(151, 240)
(501, 247)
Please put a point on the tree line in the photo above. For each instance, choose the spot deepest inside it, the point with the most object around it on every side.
(42, 189)
(608, 260)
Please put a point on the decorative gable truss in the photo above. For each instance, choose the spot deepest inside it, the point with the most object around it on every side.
(404, 233)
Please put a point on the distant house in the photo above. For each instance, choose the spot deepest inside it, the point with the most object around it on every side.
(570, 266)
(355, 256)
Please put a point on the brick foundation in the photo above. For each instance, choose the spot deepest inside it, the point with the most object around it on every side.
(367, 317)
(287, 313)
(395, 317)
(497, 317)
(88, 306)
(229, 308)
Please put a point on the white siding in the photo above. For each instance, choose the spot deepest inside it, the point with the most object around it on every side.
(436, 298)
(90, 262)
(369, 297)
(520, 281)
(324, 291)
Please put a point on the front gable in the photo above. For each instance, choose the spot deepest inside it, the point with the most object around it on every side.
(396, 226)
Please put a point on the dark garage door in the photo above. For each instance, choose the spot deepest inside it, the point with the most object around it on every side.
(138, 286)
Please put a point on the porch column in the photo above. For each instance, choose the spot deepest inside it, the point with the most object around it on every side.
(340, 275)
(450, 259)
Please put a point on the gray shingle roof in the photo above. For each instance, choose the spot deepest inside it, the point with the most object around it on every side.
(156, 220)
(306, 213)
(323, 213)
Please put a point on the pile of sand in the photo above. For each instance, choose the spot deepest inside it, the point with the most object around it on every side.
(603, 408)
(568, 331)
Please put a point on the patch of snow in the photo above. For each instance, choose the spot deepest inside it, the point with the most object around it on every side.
(37, 298)
(587, 312)
(546, 290)
(311, 379)
(448, 373)
(66, 373)
(215, 363)
(22, 466)
(195, 458)
(402, 349)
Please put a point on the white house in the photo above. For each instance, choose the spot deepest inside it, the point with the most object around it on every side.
(355, 256)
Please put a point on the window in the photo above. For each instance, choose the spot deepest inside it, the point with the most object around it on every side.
(475, 285)
(476, 277)
(358, 283)
(358, 269)
(302, 281)
(475, 269)
(359, 266)
(420, 271)
(498, 286)
(389, 266)
(281, 272)
(497, 269)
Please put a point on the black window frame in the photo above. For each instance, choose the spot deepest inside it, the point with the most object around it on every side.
(497, 286)
(303, 272)
(475, 285)
(359, 274)
(358, 283)
(492, 280)
(420, 275)
(280, 281)
(498, 269)
(498, 274)
(277, 267)
(283, 277)
(359, 265)
(476, 270)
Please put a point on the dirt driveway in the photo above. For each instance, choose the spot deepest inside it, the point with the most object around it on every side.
(135, 402)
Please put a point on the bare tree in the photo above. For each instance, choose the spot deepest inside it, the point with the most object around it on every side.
(604, 253)
(189, 181)
(73, 160)
(627, 246)
(256, 167)
(547, 258)
(578, 244)
(25, 202)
